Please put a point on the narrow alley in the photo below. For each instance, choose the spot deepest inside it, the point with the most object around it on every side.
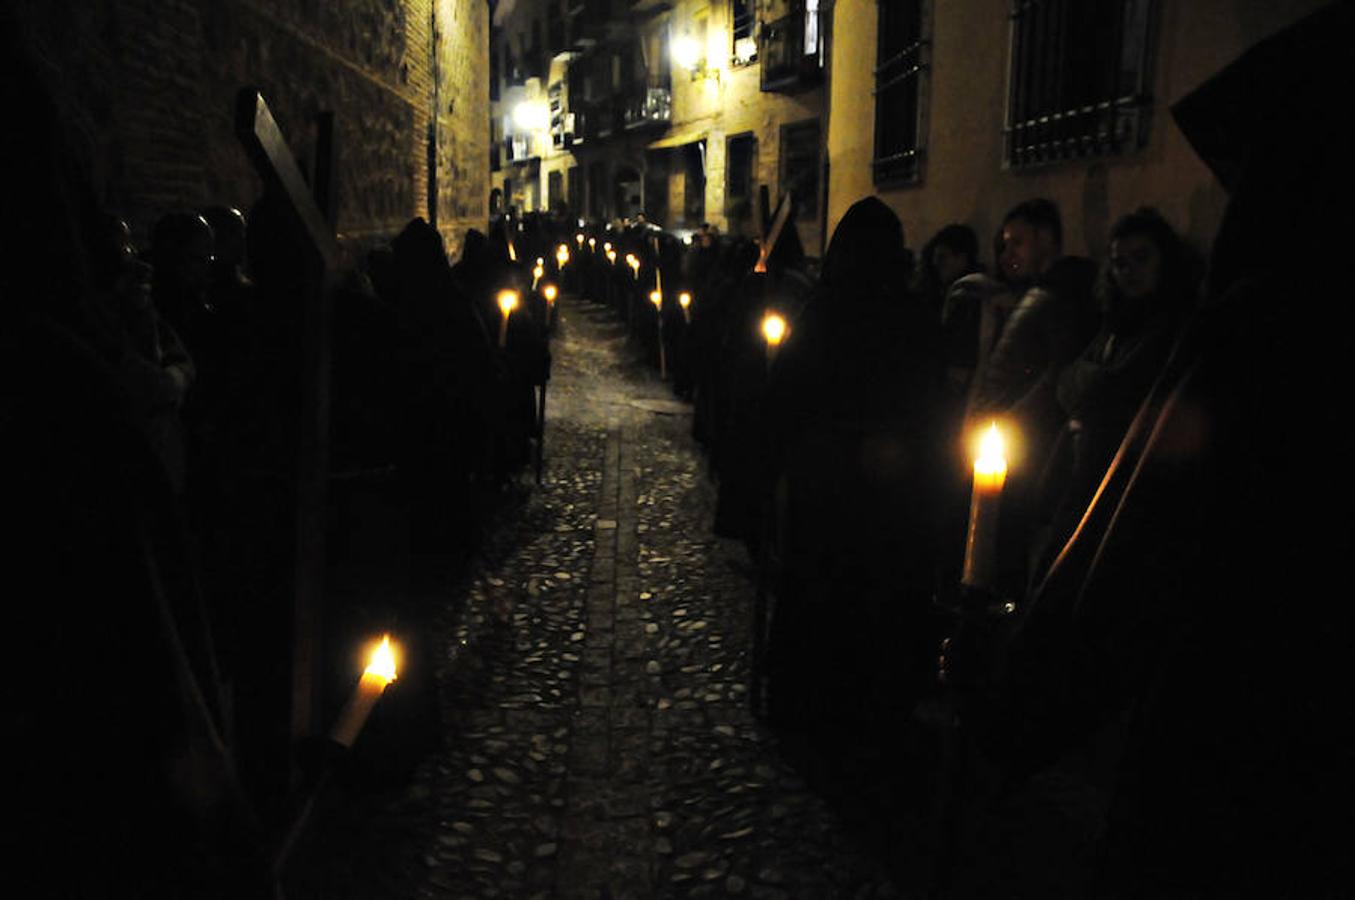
(598, 737)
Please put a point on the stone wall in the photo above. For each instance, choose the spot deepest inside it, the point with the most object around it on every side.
(150, 87)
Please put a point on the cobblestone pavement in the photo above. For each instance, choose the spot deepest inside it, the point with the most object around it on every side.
(593, 687)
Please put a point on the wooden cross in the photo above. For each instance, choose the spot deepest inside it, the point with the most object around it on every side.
(768, 238)
(312, 217)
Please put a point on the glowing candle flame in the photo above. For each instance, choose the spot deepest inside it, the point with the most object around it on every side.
(540, 261)
(562, 254)
(773, 329)
(592, 243)
(538, 270)
(611, 257)
(508, 301)
(512, 254)
(550, 292)
(684, 299)
(656, 298)
(990, 466)
(607, 247)
(578, 239)
(383, 661)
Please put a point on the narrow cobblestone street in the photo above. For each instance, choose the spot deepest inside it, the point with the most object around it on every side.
(594, 686)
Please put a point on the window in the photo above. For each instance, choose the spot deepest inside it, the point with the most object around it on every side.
(741, 25)
(495, 49)
(694, 184)
(1078, 79)
(574, 190)
(800, 166)
(740, 165)
(555, 190)
(902, 62)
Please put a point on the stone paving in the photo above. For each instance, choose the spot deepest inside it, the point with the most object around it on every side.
(594, 682)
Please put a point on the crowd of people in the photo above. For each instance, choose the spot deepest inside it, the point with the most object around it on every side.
(1158, 609)
(1169, 536)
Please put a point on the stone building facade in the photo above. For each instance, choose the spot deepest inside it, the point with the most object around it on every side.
(611, 108)
(971, 67)
(150, 87)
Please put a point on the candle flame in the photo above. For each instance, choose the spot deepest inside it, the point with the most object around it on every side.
(578, 239)
(383, 661)
(538, 270)
(773, 328)
(550, 291)
(512, 254)
(540, 261)
(684, 299)
(508, 301)
(656, 298)
(607, 246)
(592, 243)
(611, 257)
(992, 458)
(632, 260)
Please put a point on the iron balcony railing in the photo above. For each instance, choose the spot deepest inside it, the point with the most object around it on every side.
(791, 49)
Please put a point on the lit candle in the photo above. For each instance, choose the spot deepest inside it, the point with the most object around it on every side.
(990, 473)
(634, 262)
(593, 244)
(550, 292)
(561, 256)
(656, 297)
(508, 301)
(512, 254)
(537, 271)
(379, 673)
(685, 301)
(578, 239)
(611, 256)
(774, 332)
(658, 279)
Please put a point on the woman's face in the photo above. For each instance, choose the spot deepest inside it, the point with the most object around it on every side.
(949, 264)
(1137, 266)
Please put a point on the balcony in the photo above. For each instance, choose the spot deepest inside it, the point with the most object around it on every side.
(654, 108)
(792, 52)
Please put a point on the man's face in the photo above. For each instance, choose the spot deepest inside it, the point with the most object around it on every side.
(1137, 265)
(1027, 251)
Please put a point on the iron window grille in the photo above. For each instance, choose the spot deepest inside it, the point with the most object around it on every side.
(800, 166)
(902, 67)
(1078, 79)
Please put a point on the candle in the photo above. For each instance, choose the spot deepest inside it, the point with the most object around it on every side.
(656, 297)
(658, 279)
(508, 301)
(561, 256)
(578, 239)
(550, 292)
(537, 271)
(379, 673)
(685, 301)
(593, 244)
(611, 256)
(990, 473)
(774, 332)
(634, 262)
(512, 254)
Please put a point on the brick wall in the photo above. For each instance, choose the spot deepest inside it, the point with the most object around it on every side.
(150, 87)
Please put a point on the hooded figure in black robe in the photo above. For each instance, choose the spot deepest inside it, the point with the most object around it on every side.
(852, 433)
(1200, 596)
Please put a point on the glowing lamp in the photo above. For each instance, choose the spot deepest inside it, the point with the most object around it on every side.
(990, 473)
(380, 672)
(686, 52)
